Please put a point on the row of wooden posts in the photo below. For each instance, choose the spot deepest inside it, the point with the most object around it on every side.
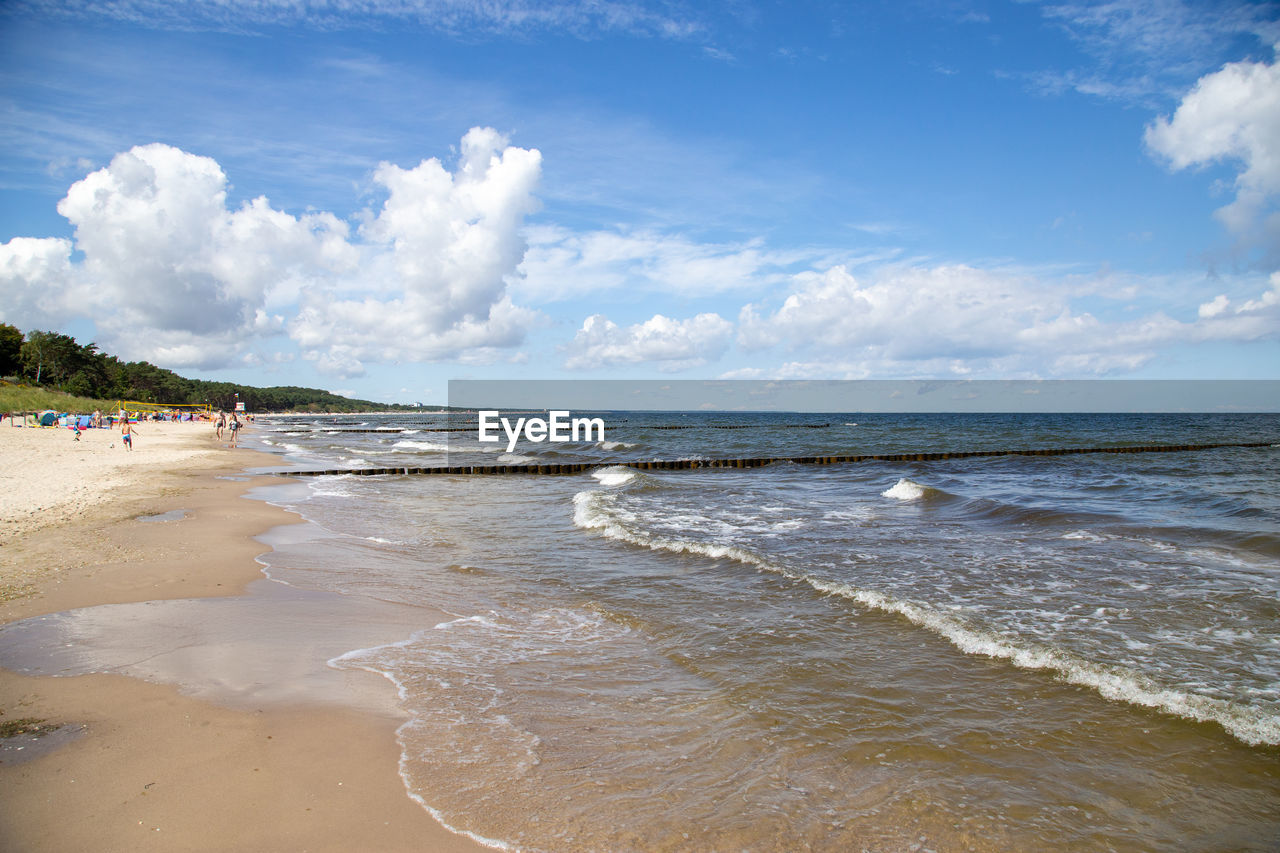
(474, 427)
(758, 462)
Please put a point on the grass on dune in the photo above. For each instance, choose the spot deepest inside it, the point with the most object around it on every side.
(25, 398)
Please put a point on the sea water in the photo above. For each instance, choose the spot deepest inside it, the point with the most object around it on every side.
(1005, 653)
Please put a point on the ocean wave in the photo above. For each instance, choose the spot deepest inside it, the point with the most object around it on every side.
(380, 660)
(412, 444)
(615, 445)
(909, 490)
(516, 459)
(1249, 724)
(591, 511)
(478, 619)
(332, 485)
(595, 510)
(615, 475)
(526, 633)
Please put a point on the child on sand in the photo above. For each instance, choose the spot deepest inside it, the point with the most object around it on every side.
(126, 433)
(233, 427)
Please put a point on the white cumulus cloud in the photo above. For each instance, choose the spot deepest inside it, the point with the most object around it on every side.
(169, 273)
(35, 275)
(961, 320)
(437, 258)
(904, 315)
(670, 345)
(1232, 115)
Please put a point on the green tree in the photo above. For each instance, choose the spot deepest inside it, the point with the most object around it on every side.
(55, 358)
(38, 354)
(10, 350)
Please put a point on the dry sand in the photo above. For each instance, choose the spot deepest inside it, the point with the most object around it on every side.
(48, 477)
(141, 766)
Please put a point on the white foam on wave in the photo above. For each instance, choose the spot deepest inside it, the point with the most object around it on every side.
(557, 627)
(412, 444)
(905, 490)
(332, 485)
(478, 619)
(595, 510)
(1249, 724)
(591, 511)
(359, 659)
(855, 514)
(615, 475)
(516, 459)
(615, 445)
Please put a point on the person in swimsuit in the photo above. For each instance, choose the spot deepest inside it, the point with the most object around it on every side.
(126, 433)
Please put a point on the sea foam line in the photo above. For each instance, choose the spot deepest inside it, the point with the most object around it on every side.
(350, 660)
(1250, 725)
(415, 444)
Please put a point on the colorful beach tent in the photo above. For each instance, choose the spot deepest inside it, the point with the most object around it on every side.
(47, 419)
(85, 421)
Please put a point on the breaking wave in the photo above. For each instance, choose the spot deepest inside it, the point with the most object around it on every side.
(599, 511)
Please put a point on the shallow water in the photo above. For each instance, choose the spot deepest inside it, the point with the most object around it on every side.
(1027, 653)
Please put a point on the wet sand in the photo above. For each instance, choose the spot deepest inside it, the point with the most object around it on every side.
(137, 765)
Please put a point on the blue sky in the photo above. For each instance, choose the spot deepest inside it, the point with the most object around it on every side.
(379, 199)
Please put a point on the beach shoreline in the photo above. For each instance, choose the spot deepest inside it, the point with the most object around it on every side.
(140, 765)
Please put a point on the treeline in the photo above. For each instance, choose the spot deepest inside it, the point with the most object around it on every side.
(58, 362)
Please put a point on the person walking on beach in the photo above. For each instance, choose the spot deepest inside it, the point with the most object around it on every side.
(126, 433)
(234, 428)
(222, 423)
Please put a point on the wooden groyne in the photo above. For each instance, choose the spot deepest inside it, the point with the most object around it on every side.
(730, 426)
(759, 461)
(474, 427)
(387, 430)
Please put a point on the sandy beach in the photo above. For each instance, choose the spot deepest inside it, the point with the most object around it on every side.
(133, 764)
